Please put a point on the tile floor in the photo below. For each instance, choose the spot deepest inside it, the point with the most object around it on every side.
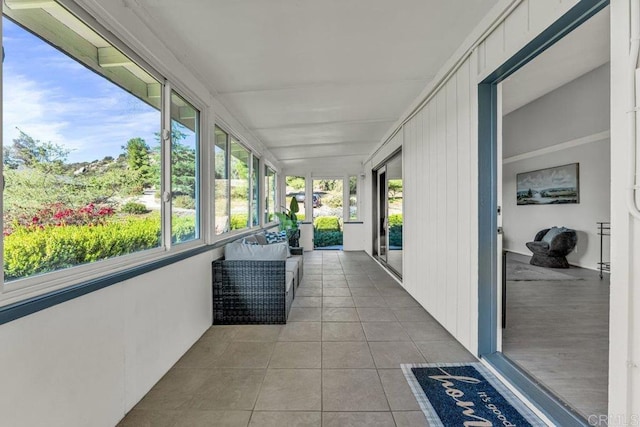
(335, 363)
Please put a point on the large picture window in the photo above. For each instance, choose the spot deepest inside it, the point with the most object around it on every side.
(240, 183)
(236, 185)
(84, 156)
(221, 186)
(270, 194)
(184, 170)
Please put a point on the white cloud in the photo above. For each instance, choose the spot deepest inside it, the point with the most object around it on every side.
(91, 125)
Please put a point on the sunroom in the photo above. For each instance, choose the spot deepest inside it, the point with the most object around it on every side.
(141, 136)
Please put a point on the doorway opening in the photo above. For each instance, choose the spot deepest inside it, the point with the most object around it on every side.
(389, 213)
(328, 214)
(543, 153)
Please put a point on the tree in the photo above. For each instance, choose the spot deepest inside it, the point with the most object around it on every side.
(395, 187)
(32, 153)
(138, 160)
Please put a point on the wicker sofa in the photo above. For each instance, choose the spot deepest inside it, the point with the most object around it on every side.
(254, 290)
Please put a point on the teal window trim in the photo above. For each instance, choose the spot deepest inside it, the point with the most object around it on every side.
(553, 408)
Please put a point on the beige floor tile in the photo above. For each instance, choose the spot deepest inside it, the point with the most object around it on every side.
(158, 399)
(297, 355)
(220, 332)
(245, 355)
(203, 354)
(372, 314)
(357, 419)
(384, 331)
(444, 351)
(401, 302)
(306, 283)
(426, 331)
(396, 387)
(339, 314)
(301, 331)
(285, 419)
(149, 418)
(307, 302)
(305, 314)
(337, 302)
(328, 284)
(410, 419)
(336, 292)
(290, 390)
(342, 331)
(368, 291)
(393, 292)
(265, 333)
(412, 314)
(393, 354)
(346, 355)
(352, 390)
(229, 389)
(213, 419)
(305, 291)
(360, 301)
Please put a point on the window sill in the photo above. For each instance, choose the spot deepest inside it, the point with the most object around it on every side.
(37, 303)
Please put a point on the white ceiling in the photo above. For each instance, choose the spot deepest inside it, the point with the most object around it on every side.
(582, 50)
(318, 82)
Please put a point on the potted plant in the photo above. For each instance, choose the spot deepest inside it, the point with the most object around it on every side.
(289, 222)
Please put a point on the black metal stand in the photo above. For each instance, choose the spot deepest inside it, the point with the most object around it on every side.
(504, 289)
(604, 229)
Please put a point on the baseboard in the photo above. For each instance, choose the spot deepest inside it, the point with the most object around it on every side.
(574, 264)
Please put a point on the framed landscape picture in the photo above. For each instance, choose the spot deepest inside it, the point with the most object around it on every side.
(551, 186)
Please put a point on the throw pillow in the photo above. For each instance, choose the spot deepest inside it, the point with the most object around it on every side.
(250, 240)
(277, 237)
(238, 251)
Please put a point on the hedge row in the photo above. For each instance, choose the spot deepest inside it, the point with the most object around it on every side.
(326, 223)
(395, 230)
(322, 239)
(30, 251)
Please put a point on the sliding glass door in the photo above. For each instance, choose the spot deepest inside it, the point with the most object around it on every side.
(389, 213)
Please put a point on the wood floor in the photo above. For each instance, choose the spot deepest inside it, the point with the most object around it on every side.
(559, 333)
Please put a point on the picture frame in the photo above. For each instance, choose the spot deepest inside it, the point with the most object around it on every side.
(557, 185)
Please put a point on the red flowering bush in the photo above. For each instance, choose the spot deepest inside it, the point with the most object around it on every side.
(59, 215)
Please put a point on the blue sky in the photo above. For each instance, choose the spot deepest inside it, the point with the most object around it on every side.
(53, 98)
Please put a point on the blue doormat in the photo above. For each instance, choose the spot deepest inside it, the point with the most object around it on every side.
(466, 394)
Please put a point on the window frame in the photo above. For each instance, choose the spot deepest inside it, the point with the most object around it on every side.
(252, 155)
(265, 218)
(34, 286)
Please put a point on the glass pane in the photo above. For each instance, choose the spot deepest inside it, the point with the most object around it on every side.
(295, 189)
(327, 213)
(255, 179)
(270, 194)
(395, 221)
(239, 186)
(184, 170)
(221, 194)
(353, 198)
(81, 152)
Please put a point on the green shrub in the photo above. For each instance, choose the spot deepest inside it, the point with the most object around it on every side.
(134, 208)
(332, 200)
(300, 217)
(395, 230)
(184, 202)
(183, 228)
(29, 251)
(327, 223)
(239, 221)
(323, 239)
